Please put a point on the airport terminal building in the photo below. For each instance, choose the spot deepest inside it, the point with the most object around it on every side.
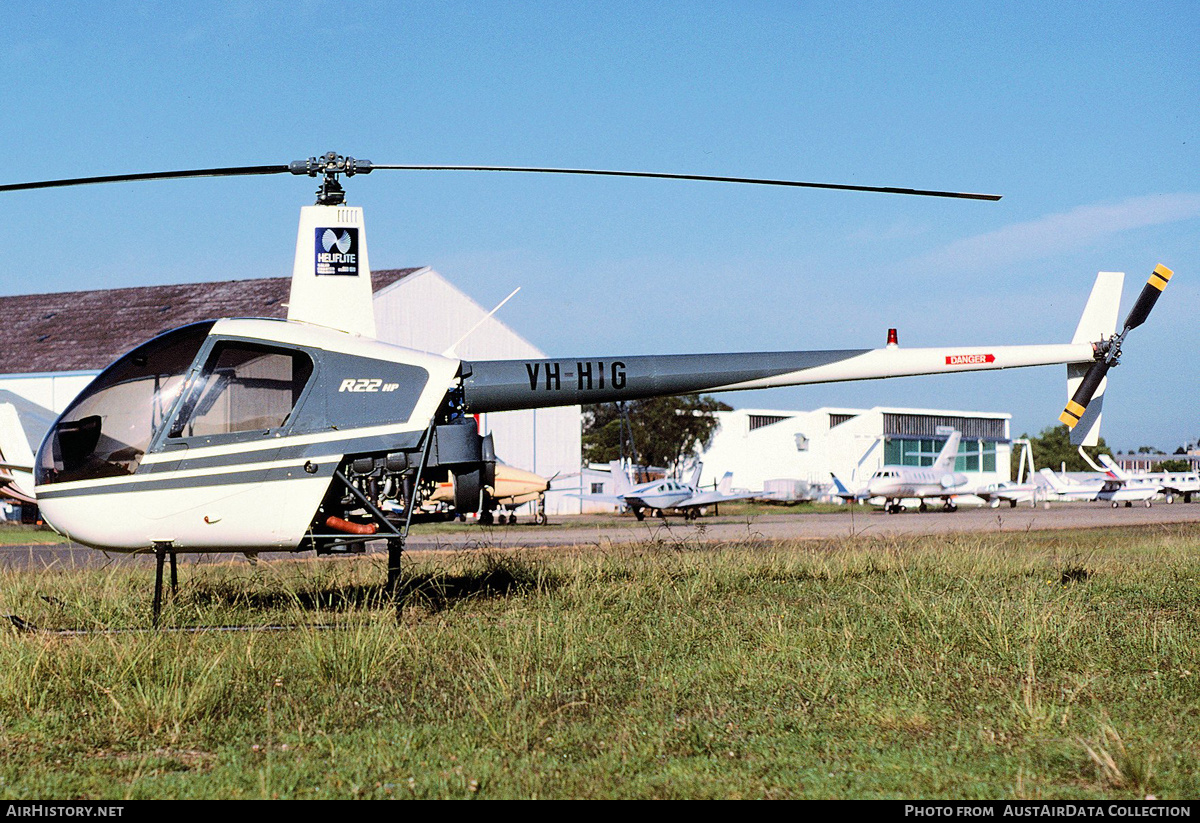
(765, 448)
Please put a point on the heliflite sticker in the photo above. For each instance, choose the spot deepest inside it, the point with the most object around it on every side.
(337, 252)
(969, 359)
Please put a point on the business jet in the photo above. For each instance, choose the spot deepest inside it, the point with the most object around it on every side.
(895, 484)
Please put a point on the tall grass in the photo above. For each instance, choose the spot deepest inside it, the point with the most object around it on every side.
(1037, 665)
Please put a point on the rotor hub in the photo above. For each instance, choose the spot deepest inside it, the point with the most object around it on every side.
(329, 165)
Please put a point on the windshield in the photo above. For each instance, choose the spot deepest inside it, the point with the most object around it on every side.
(108, 427)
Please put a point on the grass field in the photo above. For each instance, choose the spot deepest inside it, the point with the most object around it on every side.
(1038, 665)
(14, 533)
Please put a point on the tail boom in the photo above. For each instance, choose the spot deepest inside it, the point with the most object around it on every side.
(502, 385)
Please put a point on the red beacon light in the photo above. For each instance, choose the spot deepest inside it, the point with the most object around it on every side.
(893, 341)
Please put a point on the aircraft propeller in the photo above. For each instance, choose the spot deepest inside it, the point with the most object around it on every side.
(332, 164)
(1108, 352)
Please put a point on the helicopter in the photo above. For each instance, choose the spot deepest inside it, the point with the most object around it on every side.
(259, 435)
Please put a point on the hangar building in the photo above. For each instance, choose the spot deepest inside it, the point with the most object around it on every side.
(760, 445)
(51, 345)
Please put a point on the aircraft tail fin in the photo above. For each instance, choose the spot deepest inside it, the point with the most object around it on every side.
(332, 240)
(840, 490)
(621, 482)
(1053, 479)
(1114, 471)
(1098, 322)
(949, 453)
(726, 484)
(696, 475)
(16, 457)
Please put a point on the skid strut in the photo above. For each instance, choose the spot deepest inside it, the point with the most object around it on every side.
(161, 550)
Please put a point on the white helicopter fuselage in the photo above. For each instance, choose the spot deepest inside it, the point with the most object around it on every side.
(254, 489)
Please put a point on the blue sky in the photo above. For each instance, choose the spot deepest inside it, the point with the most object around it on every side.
(1083, 115)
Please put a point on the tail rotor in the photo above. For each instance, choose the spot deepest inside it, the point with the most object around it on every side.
(1108, 352)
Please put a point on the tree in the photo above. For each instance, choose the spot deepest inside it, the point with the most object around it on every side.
(665, 431)
(1053, 447)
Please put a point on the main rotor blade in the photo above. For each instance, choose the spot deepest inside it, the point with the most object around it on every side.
(232, 171)
(366, 166)
(1149, 296)
(704, 177)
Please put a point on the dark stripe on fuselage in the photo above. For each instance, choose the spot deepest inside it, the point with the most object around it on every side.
(273, 475)
(402, 441)
(503, 385)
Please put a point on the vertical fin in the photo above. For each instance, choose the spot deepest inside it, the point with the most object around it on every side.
(621, 482)
(331, 276)
(949, 453)
(1054, 480)
(1098, 322)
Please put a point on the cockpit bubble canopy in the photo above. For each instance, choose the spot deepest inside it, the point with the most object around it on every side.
(107, 429)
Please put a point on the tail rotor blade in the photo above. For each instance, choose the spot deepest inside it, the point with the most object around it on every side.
(1078, 403)
(1149, 296)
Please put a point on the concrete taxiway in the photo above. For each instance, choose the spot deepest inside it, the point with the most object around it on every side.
(860, 521)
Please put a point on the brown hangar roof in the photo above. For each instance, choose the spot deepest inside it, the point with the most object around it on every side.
(87, 330)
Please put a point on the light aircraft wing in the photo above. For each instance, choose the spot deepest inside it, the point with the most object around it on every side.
(16, 457)
(610, 499)
(1013, 492)
(711, 498)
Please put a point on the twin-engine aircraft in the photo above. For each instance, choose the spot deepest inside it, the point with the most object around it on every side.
(660, 496)
(1114, 487)
(510, 489)
(256, 435)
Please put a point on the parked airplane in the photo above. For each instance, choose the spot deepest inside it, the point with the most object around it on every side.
(1115, 487)
(1173, 484)
(895, 484)
(659, 496)
(1176, 484)
(513, 487)
(1121, 487)
(1072, 489)
(1009, 491)
(22, 426)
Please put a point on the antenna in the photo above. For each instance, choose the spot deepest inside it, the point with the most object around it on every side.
(450, 351)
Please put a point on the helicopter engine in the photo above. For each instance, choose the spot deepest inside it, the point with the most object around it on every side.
(395, 483)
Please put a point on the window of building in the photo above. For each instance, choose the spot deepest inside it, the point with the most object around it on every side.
(758, 421)
(973, 455)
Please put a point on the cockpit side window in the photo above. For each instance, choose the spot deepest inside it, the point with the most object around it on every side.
(244, 387)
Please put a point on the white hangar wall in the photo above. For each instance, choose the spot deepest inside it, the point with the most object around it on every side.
(768, 444)
(50, 390)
